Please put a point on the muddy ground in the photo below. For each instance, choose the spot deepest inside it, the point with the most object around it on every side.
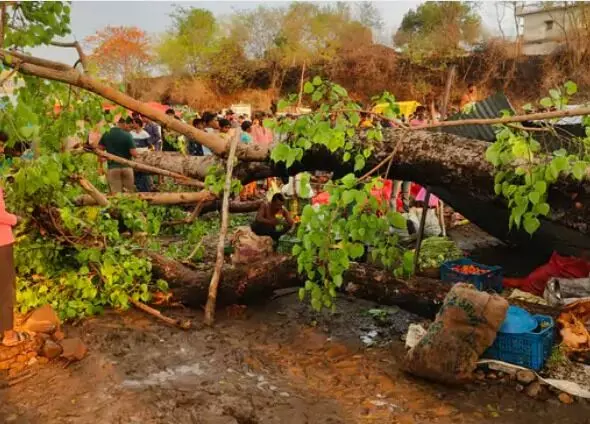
(278, 363)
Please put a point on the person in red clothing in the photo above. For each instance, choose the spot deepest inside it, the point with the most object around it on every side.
(7, 279)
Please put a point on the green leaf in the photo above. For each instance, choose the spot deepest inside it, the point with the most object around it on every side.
(580, 169)
(542, 209)
(338, 280)
(570, 88)
(398, 221)
(301, 294)
(359, 162)
(317, 81)
(349, 180)
(308, 88)
(560, 153)
(498, 188)
(555, 94)
(283, 104)
(541, 187)
(296, 250)
(339, 90)
(546, 102)
(531, 224)
(558, 165)
(348, 197)
(356, 250)
(534, 197)
(528, 107)
(317, 96)
(346, 156)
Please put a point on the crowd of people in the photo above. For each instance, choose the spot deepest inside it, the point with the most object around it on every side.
(137, 133)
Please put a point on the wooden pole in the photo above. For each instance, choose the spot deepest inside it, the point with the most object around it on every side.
(212, 297)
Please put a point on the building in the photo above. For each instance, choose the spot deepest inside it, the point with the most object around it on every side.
(543, 28)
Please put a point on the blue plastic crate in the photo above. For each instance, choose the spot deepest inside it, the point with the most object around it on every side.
(529, 350)
(492, 280)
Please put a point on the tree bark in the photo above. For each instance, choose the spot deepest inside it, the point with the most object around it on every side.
(185, 198)
(255, 283)
(453, 167)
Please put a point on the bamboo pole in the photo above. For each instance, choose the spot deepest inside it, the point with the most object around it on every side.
(212, 297)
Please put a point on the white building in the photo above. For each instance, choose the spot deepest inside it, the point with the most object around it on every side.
(545, 28)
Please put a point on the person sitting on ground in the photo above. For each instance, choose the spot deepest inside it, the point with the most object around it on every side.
(117, 141)
(266, 222)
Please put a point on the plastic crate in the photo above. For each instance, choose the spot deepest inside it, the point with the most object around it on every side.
(529, 350)
(491, 280)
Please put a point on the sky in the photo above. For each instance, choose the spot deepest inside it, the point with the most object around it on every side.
(153, 17)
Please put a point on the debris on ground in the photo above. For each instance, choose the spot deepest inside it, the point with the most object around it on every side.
(575, 330)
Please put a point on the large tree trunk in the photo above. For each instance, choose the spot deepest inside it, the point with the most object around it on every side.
(256, 282)
(456, 170)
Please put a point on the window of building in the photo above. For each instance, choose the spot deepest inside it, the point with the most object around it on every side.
(548, 25)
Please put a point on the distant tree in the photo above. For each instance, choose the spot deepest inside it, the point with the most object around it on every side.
(119, 53)
(369, 16)
(191, 41)
(439, 29)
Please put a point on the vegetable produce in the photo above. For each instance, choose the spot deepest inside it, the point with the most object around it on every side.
(437, 250)
(470, 269)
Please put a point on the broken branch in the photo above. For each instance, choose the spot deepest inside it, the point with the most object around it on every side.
(182, 179)
(185, 325)
(212, 298)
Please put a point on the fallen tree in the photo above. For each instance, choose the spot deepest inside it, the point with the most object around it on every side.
(256, 282)
(454, 167)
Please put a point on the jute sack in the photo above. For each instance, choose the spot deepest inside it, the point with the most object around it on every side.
(464, 328)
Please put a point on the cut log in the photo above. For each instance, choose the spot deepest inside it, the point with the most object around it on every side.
(185, 198)
(256, 282)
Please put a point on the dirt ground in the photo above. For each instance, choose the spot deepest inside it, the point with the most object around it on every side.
(278, 363)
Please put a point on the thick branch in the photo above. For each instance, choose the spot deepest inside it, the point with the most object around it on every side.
(76, 45)
(61, 72)
(182, 179)
(186, 198)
